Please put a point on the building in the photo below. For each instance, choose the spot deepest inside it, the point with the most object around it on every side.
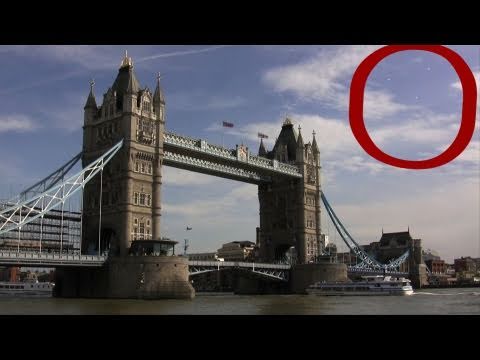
(237, 251)
(393, 245)
(207, 256)
(131, 184)
(465, 264)
(57, 231)
(290, 209)
(436, 266)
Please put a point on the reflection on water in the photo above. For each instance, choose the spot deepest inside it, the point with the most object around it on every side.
(436, 301)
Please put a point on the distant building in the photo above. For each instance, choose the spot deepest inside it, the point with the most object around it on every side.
(237, 251)
(331, 249)
(206, 256)
(450, 270)
(392, 246)
(465, 264)
(434, 263)
(348, 258)
(436, 266)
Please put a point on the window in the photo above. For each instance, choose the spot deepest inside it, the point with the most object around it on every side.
(148, 222)
(150, 169)
(137, 166)
(142, 199)
(146, 106)
(135, 221)
(143, 167)
(111, 109)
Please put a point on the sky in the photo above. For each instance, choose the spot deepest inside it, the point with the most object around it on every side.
(412, 110)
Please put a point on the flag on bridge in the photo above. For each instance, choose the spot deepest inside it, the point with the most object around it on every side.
(262, 136)
(227, 124)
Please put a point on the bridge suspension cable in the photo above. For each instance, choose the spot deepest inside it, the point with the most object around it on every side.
(25, 211)
(47, 182)
(367, 262)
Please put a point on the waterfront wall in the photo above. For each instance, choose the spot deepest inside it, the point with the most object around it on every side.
(142, 277)
(304, 275)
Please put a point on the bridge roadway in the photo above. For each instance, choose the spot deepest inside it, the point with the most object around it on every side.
(46, 259)
(187, 153)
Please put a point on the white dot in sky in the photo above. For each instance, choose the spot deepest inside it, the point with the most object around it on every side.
(416, 97)
(389, 79)
(428, 68)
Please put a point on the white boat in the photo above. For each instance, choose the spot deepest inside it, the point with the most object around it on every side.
(369, 285)
(26, 289)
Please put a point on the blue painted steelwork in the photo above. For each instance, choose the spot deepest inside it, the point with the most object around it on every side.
(368, 262)
(274, 271)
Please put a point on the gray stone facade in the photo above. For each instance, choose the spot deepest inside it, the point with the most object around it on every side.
(131, 186)
(290, 209)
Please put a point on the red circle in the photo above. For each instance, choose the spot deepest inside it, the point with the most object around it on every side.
(469, 106)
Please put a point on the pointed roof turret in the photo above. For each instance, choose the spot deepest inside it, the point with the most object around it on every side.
(299, 138)
(158, 97)
(287, 137)
(261, 150)
(91, 103)
(126, 82)
(314, 144)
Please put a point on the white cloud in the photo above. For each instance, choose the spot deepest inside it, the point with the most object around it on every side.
(380, 103)
(324, 78)
(180, 53)
(219, 216)
(445, 217)
(318, 77)
(424, 128)
(222, 206)
(176, 177)
(17, 123)
(332, 134)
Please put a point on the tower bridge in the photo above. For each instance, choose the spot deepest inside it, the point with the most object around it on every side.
(125, 146)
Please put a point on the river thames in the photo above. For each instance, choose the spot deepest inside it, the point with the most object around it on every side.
(423, 302)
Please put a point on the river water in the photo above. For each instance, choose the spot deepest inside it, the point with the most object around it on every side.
(432, 301)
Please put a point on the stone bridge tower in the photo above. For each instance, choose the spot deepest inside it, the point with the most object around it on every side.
(130, 197)
(290, 209)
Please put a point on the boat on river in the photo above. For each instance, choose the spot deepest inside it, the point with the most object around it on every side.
(369, 285)
(26, 289)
